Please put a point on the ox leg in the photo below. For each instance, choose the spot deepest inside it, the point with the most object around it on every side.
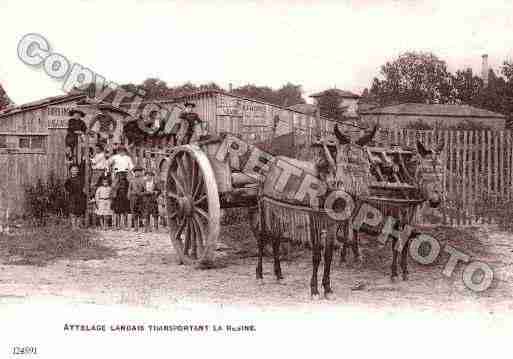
(355, 246)
(259, 269)
(343, 251)
(394, 260)
(187, 246)
(328, 257)
(341, 238)
(316, 260)
(276, 243)
(404, 258)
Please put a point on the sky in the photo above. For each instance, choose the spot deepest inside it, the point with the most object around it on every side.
(318, 44)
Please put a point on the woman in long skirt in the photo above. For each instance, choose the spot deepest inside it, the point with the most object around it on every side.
(120, 201)
(74, 186)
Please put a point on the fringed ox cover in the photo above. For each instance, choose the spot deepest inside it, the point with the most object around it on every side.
(294, 222)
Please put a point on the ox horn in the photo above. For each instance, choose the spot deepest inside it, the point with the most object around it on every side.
(342, 139)
(422, 150)
(366, 138)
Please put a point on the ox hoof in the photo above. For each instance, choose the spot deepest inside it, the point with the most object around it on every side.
(329, 296)
(260, 281)
(315, 297)
(405, 276)
(393, 279)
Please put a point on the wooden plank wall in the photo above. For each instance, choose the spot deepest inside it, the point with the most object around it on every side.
(21, 167)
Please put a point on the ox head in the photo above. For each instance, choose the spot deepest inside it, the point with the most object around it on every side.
(429, 173)
(360, 139)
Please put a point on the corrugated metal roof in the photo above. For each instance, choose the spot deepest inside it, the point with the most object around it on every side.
(433, 110)
(305, 108)
(41, 103)
(341, 93)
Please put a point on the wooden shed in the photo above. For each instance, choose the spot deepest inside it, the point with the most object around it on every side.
(252, 119)
(32, 146)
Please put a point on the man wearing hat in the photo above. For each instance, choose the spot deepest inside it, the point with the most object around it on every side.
(76, 127)
(103, 126)
(187, 125)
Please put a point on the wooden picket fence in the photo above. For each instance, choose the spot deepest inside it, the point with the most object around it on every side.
(478, 171)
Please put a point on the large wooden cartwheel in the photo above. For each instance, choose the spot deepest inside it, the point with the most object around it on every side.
(192, 205)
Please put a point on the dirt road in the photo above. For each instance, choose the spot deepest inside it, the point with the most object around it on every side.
(143, 273)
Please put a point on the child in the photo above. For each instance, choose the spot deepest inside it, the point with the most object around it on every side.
(135, 195)
(74, 185)
(98, 166)
(151, 193)
(103, 202)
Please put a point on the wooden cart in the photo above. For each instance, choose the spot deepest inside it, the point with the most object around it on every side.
(222, 172)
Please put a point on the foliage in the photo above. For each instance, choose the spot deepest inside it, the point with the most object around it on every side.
(4, 99)
(413, 77)
(418, 125)
(44, 199)
(156, 89)
(288, 95)
(468, 125)
(47, 244)
(423, 78)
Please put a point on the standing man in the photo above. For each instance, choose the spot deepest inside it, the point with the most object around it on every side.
(121, 164)
(187, 126)
(76, 128)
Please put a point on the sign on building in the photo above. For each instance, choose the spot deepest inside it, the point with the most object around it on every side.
(58, 116)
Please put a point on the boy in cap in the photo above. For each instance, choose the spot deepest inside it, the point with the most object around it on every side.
(151, 192)
(136, 191)
(186, 127)
(103, 127)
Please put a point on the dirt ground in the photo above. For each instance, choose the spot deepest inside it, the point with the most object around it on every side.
(142, 271)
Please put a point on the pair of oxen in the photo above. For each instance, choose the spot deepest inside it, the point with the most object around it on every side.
(425, 177)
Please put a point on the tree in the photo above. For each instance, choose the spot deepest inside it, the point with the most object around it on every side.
(466, 86)
(413, 77)
(288, 95)
(156, 89)
(507, 71)
(4, 99)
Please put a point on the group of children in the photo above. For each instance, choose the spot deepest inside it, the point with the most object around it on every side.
(139, 202)
(143, 193)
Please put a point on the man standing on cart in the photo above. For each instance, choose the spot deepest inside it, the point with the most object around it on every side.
(186, 129)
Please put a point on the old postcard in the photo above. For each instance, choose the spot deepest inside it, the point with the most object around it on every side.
(246, 178)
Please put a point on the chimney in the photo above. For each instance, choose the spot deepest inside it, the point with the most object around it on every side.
(230, 87)
(484, 70)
